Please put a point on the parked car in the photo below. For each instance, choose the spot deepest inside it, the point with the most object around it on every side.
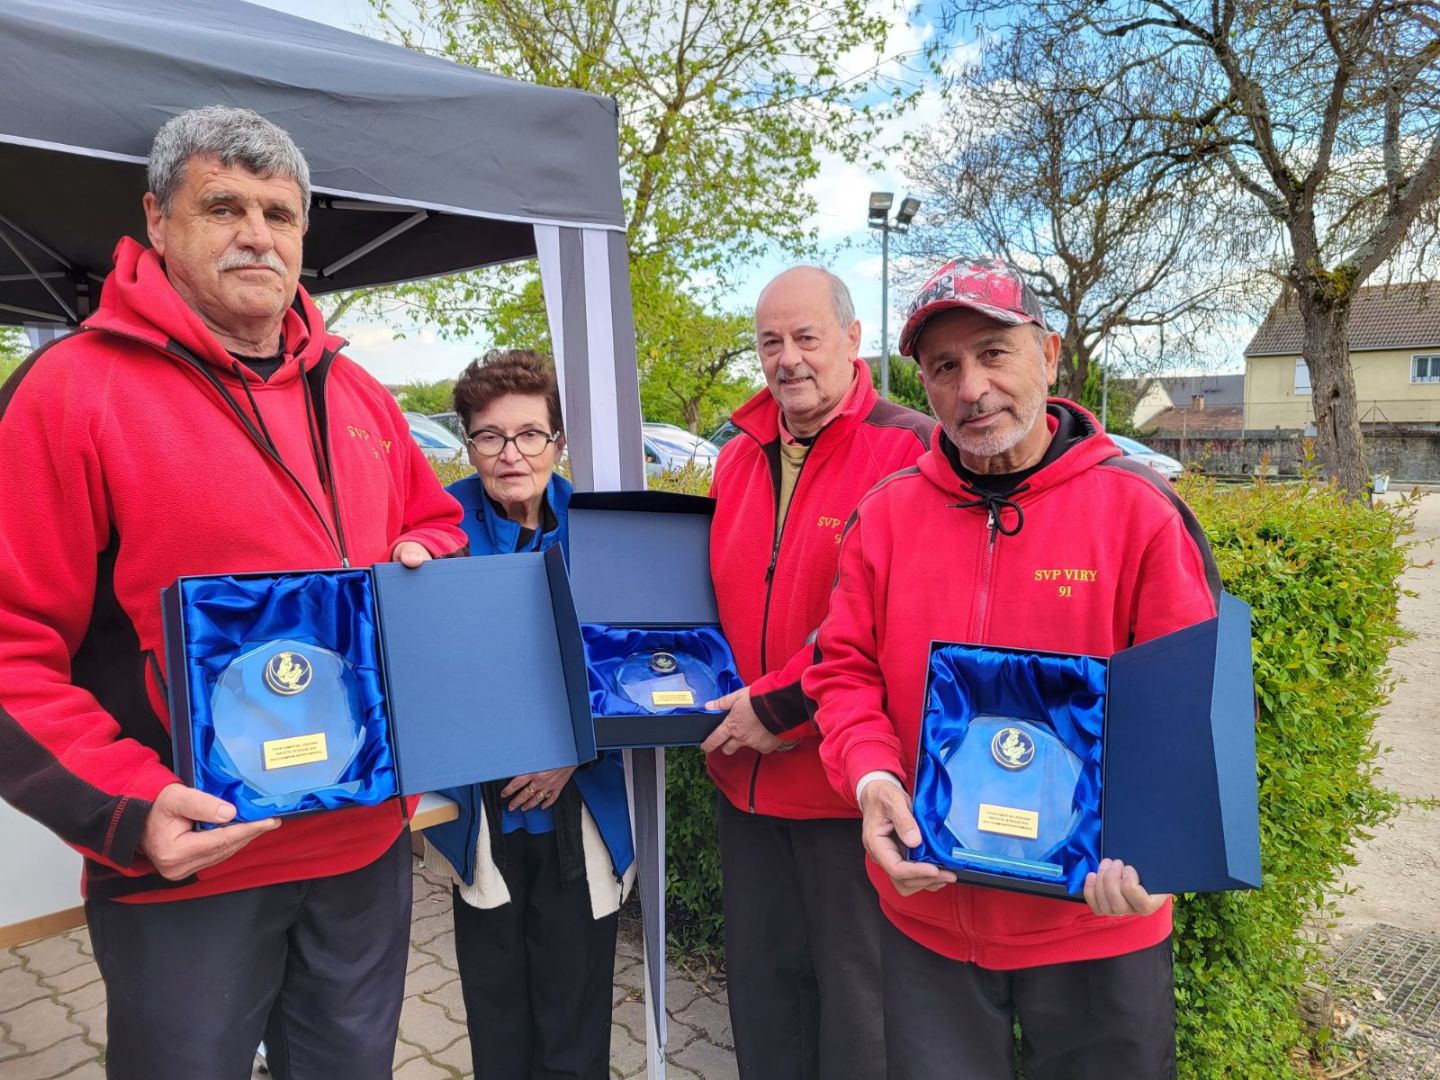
(668, 447)
(437, 442)
(1165, 465)
(450, 421)
(723, 433)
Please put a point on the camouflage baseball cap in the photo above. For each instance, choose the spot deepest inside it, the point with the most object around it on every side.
(990, 286)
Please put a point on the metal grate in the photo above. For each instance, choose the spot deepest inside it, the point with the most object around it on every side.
(1404, 966)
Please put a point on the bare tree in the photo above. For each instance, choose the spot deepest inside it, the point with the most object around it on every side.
(1046, 158)
(1323, 117)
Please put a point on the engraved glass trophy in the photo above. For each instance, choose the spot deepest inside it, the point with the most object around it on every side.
(1012, 791)
(287, 717)
(658, 681)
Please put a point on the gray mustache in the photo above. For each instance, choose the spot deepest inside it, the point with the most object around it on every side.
(240, 260)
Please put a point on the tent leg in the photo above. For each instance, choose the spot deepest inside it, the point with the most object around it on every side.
(646, 769)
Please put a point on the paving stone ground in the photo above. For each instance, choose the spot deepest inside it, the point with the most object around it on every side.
(52, 1008)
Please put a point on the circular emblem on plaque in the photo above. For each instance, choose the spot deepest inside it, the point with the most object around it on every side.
(663, 663)
(288, 672)
(1012, 748)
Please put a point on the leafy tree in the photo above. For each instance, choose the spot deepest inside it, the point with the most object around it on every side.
(725, 107)
(1321, 121)
(428, 397)
(13, 349)
(724, 104)
(696, 365)
(905, 385)
(1044, 159)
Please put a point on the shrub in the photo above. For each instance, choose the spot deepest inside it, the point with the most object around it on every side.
(1322, 577)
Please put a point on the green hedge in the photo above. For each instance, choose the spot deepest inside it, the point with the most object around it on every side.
(1322, 577)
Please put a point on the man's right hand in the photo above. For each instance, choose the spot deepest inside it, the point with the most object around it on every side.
(173, 845)
(886, 825)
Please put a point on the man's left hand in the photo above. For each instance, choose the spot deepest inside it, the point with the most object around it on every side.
(410, 553)
(740, 728)
(1115, 889)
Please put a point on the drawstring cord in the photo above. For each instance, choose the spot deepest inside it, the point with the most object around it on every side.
(995, 505)
(254, 407)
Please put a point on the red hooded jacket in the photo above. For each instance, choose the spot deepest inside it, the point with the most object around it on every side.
(1106, 556)
(137, 450)
(772, 591)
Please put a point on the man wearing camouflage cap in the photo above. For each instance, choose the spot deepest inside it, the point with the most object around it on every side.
(961, 548)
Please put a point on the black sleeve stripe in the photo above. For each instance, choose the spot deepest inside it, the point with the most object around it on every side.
(781, 709)
(39, 786)
(887, 414)
(1192, 524)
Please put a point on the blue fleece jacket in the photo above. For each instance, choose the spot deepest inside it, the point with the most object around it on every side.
(601, 784)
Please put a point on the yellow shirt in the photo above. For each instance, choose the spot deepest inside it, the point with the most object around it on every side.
(792, 456)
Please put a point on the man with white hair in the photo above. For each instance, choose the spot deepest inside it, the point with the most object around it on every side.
(801, 924)
(203, 422)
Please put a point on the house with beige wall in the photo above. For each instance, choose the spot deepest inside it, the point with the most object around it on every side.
(1394, 352)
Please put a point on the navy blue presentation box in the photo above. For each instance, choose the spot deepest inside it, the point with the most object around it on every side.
(482, 665)
(642, 559)
(1179, 795)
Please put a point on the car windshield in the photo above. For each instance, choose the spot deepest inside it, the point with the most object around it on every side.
(1130, 446)
(435, 435)
(684, 445)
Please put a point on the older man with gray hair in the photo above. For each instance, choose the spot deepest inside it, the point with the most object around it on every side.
(801, 930)
(203, 422)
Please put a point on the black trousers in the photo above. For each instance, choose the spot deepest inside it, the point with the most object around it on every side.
(536, 973)
(1089, 1020)
(316, 968)
(802, 948)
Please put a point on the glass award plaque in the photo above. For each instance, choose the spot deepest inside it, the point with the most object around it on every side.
(1012, 792)
(287, 718)
(658, 681)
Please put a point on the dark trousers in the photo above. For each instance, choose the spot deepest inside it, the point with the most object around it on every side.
(802, 948)
(1088, 1020)
(536, 973)
(316, 968)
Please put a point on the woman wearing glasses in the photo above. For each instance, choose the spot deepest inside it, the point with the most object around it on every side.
(541, 862)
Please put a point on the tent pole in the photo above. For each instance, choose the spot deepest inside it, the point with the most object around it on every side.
(379, 241)
(38, 276)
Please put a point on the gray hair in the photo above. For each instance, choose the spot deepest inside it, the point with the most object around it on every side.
(234, 137)
(840, 301)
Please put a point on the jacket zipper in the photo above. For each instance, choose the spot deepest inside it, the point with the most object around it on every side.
(324, 525)
(769, 588)
(983, 601)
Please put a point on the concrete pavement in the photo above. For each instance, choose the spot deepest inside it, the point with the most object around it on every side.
(52, 1008)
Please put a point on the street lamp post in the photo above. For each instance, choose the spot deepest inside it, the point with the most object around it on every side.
(880, 203)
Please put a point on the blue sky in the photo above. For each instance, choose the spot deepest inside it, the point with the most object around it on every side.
(841, 193)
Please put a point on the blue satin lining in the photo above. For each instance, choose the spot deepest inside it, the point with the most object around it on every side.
(968, 681)
(335, 610)
(607, 646)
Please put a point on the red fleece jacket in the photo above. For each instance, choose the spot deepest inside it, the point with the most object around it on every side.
(772, 592)
(122, 467)
(1106, 556)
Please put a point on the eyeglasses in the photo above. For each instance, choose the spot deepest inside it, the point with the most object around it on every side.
(489, 443)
